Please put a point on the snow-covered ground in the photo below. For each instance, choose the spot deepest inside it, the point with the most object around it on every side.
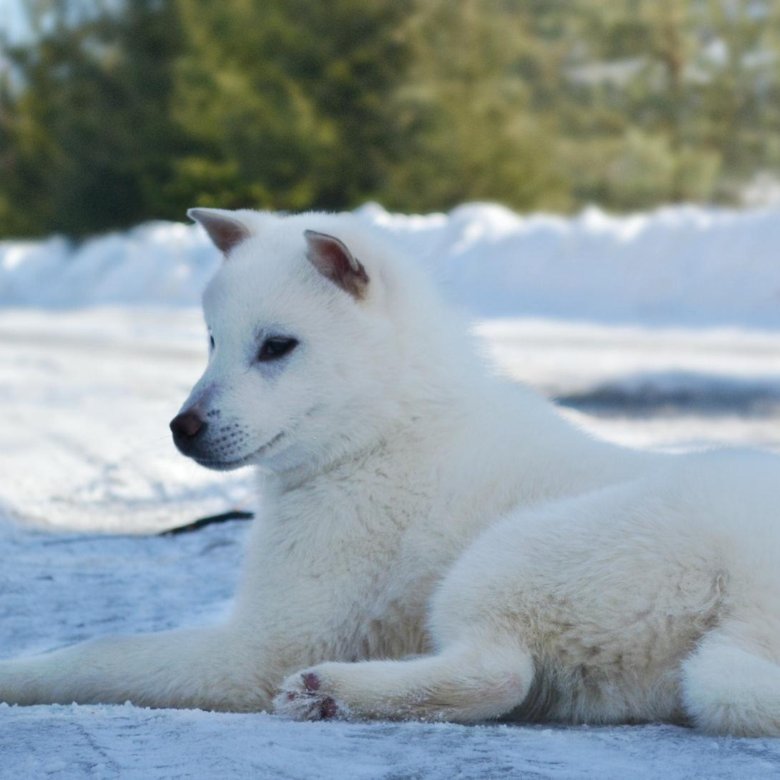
(659, 330)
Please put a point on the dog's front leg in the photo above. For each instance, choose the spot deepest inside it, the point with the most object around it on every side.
(213, 668)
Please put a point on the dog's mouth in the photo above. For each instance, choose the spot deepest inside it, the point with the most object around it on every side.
(237, 463)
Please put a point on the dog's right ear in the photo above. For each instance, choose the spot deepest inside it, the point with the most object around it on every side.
(223, 228)
(331, 257)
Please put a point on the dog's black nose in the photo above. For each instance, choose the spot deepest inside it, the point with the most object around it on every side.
(187, 426)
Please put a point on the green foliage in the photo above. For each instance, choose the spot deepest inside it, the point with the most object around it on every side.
(639, 170)
(115, 112)
(89, 142)
(288, 100)
(466, 113)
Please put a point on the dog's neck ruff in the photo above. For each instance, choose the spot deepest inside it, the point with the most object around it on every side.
(298, 476)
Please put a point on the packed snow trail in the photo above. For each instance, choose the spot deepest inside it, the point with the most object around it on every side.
(88, 395)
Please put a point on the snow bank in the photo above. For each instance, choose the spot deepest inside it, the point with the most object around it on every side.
(157, 263)
(684, 265)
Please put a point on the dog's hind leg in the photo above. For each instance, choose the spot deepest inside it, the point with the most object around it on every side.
(464, 683)
(730, 688)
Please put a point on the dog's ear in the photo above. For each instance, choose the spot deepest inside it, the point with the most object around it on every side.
(223, 228)
(333, 260)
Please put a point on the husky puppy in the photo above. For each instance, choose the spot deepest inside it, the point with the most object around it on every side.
(433, 543)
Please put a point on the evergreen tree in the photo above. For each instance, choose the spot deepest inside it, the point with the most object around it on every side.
(89, 120)
(469, 122)
(287, 100)
(117, 111)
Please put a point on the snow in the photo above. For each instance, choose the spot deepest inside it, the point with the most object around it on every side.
(684, 265)
(196, 744)
(656, 330)
(58, 589)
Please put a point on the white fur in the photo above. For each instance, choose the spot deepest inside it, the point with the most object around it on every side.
(434, 543)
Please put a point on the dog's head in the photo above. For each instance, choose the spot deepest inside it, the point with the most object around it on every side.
(299, 354)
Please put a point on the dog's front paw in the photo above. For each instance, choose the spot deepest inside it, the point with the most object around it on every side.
(307, 696)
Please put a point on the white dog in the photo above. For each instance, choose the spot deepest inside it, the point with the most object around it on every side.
(433, 543)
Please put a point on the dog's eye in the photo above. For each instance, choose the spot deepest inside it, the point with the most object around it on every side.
(276, 347)
(211, 341)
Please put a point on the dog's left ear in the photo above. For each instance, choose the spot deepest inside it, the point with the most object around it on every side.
(333, 260)
(223, 228)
